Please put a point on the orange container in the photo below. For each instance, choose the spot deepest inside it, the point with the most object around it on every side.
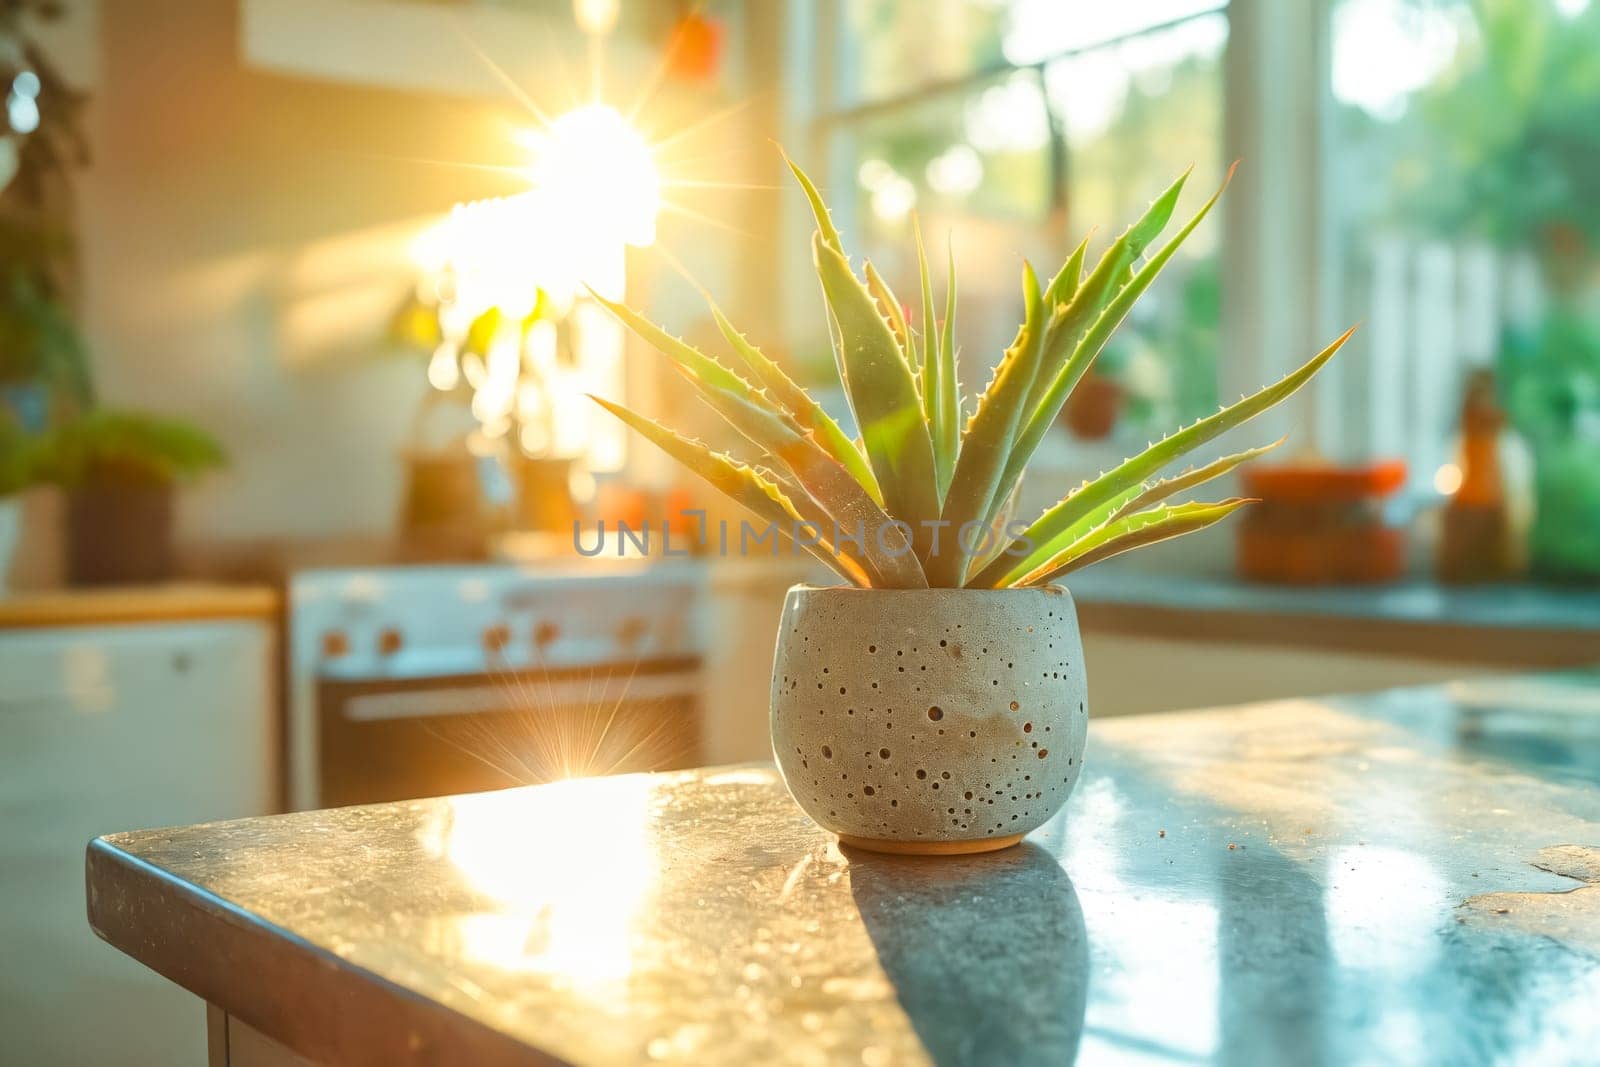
(1320, 524)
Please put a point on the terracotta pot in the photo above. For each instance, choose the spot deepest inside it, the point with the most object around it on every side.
(120, 534)
(934, 721)
(1093, 408)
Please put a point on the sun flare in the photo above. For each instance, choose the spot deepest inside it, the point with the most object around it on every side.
(592, 163)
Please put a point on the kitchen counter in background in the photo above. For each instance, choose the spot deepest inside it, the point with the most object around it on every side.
(173, 602)
(118, 707)
(1355, 615)
(1159, 642)
(1403, 876)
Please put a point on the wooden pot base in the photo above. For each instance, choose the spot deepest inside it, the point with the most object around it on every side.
(930, 848)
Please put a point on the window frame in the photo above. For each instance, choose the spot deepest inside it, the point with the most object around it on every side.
(1276, 306)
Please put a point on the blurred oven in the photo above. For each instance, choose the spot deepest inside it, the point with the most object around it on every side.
(396, 738)
(425, 681)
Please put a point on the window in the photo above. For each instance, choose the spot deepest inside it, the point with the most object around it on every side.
(1464, 202)
(1017, 126)
(1428, 168)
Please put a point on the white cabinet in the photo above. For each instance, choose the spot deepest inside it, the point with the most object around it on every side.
(102, 729)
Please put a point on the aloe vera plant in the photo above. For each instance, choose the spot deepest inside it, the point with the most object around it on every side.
(920, 500)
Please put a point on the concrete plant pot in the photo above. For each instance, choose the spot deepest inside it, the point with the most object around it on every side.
(933, 721)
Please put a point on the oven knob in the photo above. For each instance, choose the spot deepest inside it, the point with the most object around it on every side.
(630, 630)
(544, 633)
(495, 638)
(335, 644)
(388, 641)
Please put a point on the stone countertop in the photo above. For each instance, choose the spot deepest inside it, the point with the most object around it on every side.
(114, 605)
(1513, 627)
(1409, 876)
(1506, 606)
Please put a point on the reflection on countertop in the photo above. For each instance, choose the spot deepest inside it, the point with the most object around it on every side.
(1369, 878)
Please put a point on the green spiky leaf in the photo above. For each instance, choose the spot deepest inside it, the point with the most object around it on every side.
(1192, 478)
(882, 394)
(1098, 307)
(1064, 286)
(1133, 499)
(987, 440)
(801, 406)
(839, 495)
(1168, 450)
(819, 208)
(943, 459)
(888, 559)
(891, 310)
(740, 483)
(1134, 531)
(948, 426)
(681, 352)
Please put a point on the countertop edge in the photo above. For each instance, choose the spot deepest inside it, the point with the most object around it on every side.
(115, 605)
(295, 992)
(1525, 648)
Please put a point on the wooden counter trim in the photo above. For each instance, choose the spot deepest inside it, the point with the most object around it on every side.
(178, 602)
(277, 982)
(1526, 648)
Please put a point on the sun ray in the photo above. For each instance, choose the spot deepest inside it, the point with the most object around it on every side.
(493, 168)
(500, 75)
(700, 216)
(691, 183)
(652, 84)
(597, 68)
(701, 123)
(681, 269)
(542, 741)
(617, 706)
(732, 152)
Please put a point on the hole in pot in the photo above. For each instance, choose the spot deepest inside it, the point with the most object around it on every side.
(936, 713)
(827, 752)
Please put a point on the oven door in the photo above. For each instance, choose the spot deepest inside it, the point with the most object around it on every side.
(398, 738)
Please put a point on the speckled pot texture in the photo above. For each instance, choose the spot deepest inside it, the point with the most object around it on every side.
(929, 720)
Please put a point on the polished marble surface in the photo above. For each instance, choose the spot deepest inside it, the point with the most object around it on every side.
(1408, 877)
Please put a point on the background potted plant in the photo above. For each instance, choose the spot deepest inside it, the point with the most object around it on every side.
(1091, 412)
(120, 472)
(936, 701)
(43, 369)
